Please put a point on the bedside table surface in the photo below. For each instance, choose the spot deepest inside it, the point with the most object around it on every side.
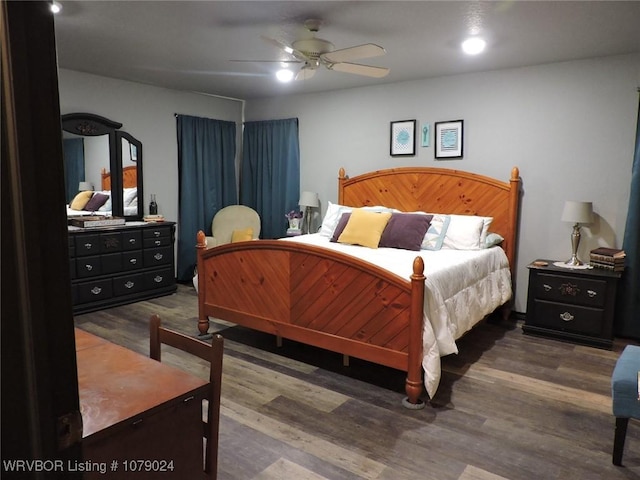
(597, 272)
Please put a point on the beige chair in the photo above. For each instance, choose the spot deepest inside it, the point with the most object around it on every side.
(210, 352)
(230, 219)
(225, 222)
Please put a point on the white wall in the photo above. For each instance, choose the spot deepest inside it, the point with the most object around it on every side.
(569, 127)
(147, 113)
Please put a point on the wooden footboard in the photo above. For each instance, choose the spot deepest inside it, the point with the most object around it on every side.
(317, 297)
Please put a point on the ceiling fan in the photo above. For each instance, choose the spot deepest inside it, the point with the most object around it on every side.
(314, 52)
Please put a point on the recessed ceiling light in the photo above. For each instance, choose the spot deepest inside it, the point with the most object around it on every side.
(473, 45)
(56, 7)
(284, 75)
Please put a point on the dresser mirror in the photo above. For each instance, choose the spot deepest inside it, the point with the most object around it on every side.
(100, 157)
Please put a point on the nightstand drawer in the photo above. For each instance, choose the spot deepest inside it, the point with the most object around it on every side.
(580, 291)
(569, 318)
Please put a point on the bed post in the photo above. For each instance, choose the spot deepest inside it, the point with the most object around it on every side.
(203, 320)
(514, 197)
(341, 179)
(413, 383)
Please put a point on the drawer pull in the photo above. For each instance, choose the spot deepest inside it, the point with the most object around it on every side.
(158, 256)
(158, 242)
(132, 241)
(566, 316)
(88, 267)
(188, 399)
(157, 279)
(88, 246)
(157, 234)
(546, 287)
(129, 284)
(96, 290)
(591, 293)
(133, 261)
(137, 423)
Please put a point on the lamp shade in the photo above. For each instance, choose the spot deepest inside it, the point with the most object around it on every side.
(577, 212)
(308, 199)
(84, 186)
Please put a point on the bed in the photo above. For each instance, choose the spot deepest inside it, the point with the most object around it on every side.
(129, 195)
(303, 291)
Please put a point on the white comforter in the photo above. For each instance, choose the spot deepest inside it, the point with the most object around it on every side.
(462, 287)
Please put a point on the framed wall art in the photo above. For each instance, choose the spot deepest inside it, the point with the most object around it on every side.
(449, 139)
(403, 138)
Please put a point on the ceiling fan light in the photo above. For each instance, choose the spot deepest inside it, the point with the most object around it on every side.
(473, 46)
(55, 7)
(284, 75)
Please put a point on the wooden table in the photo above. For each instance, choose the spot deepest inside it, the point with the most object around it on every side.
(141, 418)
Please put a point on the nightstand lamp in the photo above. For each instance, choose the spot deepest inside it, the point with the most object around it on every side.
(577, 213)
(308, 200)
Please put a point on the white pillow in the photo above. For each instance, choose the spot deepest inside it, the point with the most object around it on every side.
(493, 239)
(129, 195)
(465, 232)
(436, 234)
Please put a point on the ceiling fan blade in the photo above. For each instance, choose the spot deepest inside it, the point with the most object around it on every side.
(305, 73)
(367, 50)
(366, 70)
(286, 48)
(267, 61)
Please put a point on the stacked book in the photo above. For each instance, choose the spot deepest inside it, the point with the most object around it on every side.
(607, 259)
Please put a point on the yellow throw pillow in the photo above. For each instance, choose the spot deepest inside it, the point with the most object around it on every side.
(364, 228)
(242, 235)
(80, 200)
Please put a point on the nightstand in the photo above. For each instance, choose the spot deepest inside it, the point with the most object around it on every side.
(575, 305)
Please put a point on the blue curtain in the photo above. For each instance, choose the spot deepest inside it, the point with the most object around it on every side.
(207, 181)
(627, 314)
(270, 174)
(73, 165)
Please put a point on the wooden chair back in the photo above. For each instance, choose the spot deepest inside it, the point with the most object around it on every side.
(212, 353)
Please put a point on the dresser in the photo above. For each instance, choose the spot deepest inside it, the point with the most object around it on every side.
(576, 305)
(142, 419)
(122, 264)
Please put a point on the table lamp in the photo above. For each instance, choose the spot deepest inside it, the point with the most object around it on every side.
(576, 213)
(308, 200)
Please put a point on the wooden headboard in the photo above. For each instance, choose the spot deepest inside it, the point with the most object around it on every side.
(129, 178)
(440, 190)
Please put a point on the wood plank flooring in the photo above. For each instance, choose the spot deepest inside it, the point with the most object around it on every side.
(509, 406)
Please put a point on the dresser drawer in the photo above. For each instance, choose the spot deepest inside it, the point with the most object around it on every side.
(132, 240)
(580, 291)
(87, 245)
(159, 278)
(158, 256)
(111, 263)
(157, 232)
(132, 260)
(128, 284)
(157, 242)
(88, 266)
(569, 318)
(94, 291)
(110, 242)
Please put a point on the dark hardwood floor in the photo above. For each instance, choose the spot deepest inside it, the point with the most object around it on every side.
(509, 406)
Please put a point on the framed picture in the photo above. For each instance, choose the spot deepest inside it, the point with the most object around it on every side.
(403, 138)
(449, 139)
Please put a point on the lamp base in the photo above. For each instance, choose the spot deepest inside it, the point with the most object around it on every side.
(574, 262)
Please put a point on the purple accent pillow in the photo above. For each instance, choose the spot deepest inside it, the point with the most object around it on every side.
(405, 231)
(344, 219)
(96, 201)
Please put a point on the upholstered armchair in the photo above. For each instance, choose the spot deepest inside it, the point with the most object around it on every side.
(234, 223)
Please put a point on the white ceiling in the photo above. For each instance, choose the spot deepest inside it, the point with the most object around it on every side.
(190, 45)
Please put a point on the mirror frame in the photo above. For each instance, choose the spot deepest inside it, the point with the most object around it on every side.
(91, 125)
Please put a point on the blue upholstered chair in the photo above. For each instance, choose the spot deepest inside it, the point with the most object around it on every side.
(624, 390)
